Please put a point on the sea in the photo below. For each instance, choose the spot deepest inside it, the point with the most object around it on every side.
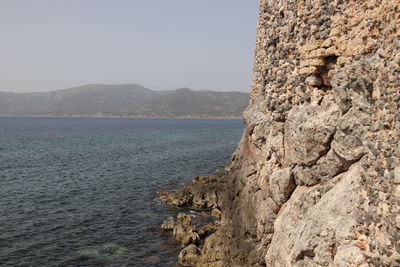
(82, 191)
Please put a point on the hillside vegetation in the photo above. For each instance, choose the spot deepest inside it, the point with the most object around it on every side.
(124, 100)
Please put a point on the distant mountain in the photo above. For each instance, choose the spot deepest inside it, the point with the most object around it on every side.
(124, 100)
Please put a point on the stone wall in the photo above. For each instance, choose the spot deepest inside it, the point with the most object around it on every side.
(315, 180)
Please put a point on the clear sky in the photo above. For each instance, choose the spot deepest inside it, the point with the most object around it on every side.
(161, 44)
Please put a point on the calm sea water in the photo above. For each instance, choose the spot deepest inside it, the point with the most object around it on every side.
(81, 191)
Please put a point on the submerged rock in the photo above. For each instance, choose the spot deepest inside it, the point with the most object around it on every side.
(95, 256)
(107, 252)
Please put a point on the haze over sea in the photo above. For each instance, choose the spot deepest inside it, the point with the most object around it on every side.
(79, 191)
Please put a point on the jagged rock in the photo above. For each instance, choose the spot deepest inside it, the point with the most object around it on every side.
(315, 180)
(282, 185)
(323, 170)
(308, 133)
(199, 193)
(207, 229)
(184, 219)
(184, 235)
(216, 213)
(168, 225)
(313, 80)
(189, 255)
(314, 222)
(351, 131)
(179, 198)
(184, 231)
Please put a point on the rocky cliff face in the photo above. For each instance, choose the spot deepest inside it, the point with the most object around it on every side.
(315, 180)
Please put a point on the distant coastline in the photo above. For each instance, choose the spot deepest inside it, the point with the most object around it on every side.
(124, 100)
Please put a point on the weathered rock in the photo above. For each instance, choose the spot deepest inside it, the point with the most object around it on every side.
(168, 225)
(199, 193)
(184, 231)
(179, 198)
(313, 80)
(184, 219)
(315, 180)
(397, 175)
(185, 236)
(207, 229)
(314, 222)
(189, 255)
(216, 213)
(309, 132)
(281, 185)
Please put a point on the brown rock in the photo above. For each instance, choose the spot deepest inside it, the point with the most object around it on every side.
(315, 178)
(190, 255)
(319, 62)
(216, 213)
(207, 229)
(185, 235)
(184, 231)
(313, 81)
(281, 185)
(309, 70)
(168, 225)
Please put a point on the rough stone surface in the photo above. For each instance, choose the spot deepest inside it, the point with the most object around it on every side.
(184, 231)
(315, 180)
(189, 255)
(314, 81)
(199, 193)
(168, 225)
(281, 185)
(308, 132)
(329, 223)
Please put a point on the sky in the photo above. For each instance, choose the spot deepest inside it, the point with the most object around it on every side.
(160, 44)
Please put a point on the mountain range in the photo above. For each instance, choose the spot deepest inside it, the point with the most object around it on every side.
(131, 100)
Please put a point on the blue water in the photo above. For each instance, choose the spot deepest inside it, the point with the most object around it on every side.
(81, 191)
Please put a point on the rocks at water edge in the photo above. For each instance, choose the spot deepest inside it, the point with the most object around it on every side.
(189, 255)
(199, 194)
(315, 180)
(184, 231)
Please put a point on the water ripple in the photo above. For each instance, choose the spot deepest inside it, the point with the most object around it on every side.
(80, 191)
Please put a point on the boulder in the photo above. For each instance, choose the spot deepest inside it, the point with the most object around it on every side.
(189, 255)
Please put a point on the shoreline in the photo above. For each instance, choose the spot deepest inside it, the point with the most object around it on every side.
(202, 195)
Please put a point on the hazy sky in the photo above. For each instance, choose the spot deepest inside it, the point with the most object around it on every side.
(161, 44)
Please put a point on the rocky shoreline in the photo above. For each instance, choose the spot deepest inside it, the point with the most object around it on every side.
(315, 180)
(200, 197)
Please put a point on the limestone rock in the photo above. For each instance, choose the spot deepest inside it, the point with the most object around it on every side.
(282, 185)
(189, 255)
(168, 225)
(397, 175)
(216, 213)
(313, 80)
(315, 180)
(314, 223)
(182, 229)
(199, 193)
(207, 229)
(308, 133)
